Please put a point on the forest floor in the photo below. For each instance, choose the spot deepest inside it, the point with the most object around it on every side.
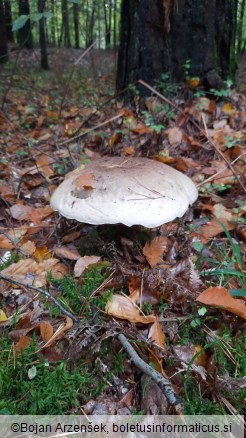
(179, 294)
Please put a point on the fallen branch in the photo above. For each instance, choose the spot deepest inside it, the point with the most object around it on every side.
(167, 389)
(41, 291)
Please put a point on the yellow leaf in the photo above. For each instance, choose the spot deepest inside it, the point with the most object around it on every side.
(227, 108)
(3, 317)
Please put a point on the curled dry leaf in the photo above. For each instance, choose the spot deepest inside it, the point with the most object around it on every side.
(218, 296)
(22, 344)
(64, 327)
(83, 263)
(154, 249)
(28, 247)
(123, 308)
(156, 334)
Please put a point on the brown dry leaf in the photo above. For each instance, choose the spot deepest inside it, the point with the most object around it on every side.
(123, 308)
(154, 249)
(43, 164)
(67, 252)
(87, 181)
(219, 296)
(71, 237)
(14, 234)
(46, 330)
(21, 212)
(23, 343)
(128, 150)
(28, 247)
(67, 325)
(32, 273)
(228, 108)
(83, 263)
(213, 228)
(175, 136)
(156, 334)
(141, 129)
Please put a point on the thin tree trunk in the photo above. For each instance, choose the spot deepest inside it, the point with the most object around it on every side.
(65, 24)
(3, 36)
(52, 24)
(24, 34)
(42, 37)
(8, 20)
(76, 24)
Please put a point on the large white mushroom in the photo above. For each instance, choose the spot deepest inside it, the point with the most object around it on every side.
(130, 191)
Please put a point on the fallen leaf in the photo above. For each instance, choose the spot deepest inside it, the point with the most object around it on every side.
(3, 316)
(83, 263)
(14, 234)
(123, 308)
(156, 334)
(154, 249)
(213, 228)
(218, 296)
(46, 330)
(65, 326)
(66, 252)
(28, 247)
(87, 181)
(32, 273)
(175, 136)
(22, 344)
(43, 161)
(228, 108)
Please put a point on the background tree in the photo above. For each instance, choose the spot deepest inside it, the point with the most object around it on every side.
(8, 20)
(158, 36)
(3, 35)
(76, 24)
(42, 37)
(65, 24)
(24, 34)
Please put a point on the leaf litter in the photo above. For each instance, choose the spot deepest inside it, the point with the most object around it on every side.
(150, 285)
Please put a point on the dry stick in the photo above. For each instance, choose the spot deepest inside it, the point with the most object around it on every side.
(71, 74)
(70, 140)
(172, 398)
(203, 131)
(43, 292)
(214, 177)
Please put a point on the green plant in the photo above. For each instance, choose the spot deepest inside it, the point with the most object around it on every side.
(150, 122)
(224, 92)
(53, 388)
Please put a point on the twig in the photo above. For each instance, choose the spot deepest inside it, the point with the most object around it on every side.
(43, 292)
(172, 398)
(214, 177)
(70, 140)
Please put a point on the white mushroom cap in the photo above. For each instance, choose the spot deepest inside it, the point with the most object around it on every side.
(131, 191)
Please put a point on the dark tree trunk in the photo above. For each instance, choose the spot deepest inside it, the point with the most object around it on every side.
(65, 24)
(24, 34)
(76, 24)
(42, 37)
(156, 38)
(8, 20)
(3, 36)
(141, 51)
(107, 22)
(90, 22)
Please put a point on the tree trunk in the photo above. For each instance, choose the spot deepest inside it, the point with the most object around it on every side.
(24, 34)
(65, 24)
(53, 24)
(141, 51)
(76, 24)
(3, 36)
(159, 36)
(42, 37)
(8, 20)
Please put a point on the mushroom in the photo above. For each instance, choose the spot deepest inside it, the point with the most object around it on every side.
(130, 191)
